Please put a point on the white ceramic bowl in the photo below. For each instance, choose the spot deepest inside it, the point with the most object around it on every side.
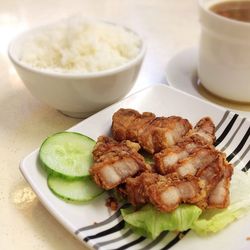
(76, 94)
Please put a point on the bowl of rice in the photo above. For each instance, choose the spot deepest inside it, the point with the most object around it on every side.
(78, 66)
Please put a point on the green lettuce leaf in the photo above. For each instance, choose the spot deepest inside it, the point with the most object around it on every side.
(150, 222)
(213, 220)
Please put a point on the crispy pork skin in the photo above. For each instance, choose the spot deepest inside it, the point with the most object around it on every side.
(152, 133)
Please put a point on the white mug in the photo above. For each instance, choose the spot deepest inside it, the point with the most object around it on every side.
(224, 54)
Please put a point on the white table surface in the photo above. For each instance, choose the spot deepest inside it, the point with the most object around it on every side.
(168, 26)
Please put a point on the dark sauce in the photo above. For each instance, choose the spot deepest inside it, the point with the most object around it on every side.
(237, 10)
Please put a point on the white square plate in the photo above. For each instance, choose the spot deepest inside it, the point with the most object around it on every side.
(93, 225)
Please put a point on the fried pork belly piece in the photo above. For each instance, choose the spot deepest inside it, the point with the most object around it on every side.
(201, 135)
(204, 131)
(128, 124)
(163, 132)
(198, 160)
(106, 147)
(168, 193)
(208, 188)
(153, 134)
(114, 162)
(212, 173)
(167, 159)
(219, 196)
(136, 189)
(176, 159)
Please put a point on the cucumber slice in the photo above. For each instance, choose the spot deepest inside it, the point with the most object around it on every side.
(79, 190)
(68, 154)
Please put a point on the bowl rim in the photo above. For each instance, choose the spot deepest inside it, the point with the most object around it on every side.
(75, 75)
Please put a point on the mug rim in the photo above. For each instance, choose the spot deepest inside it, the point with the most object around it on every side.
(222, 18)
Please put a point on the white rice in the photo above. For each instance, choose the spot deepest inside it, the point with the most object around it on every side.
(79, 45)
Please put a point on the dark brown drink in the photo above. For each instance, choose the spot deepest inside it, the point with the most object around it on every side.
(237, 10)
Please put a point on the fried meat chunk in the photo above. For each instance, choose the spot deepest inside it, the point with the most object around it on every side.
(106, 147)
(168, 193)
(198, 160)
(168, 158)
(114, 162)
(212, 173)
(136, 189)
(219, 196)
(165, 192)
(163, 132)
(203, 131)
(128, 124)
(184, 161)
(201, 135)
(152, 133)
